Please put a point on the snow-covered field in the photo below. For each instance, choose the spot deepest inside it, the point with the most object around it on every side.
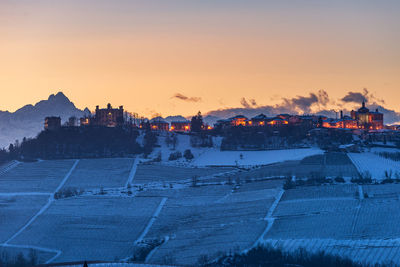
(374, 164)
(248, 158)
(91, 228)
(208, 220)
(346, 219)
(213, 156)
(96, 173)
(148, 173)
(15, 211)
(42, 176)
(341, 223)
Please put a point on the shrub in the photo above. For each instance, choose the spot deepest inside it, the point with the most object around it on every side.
(158, 158)
(188, 154)
(144, 248)
(68, 192)
(366, 178)
(194, 181)
(175, 155)
(388, 174)
(339, 179)
(289, 184)
(387, 181)
(268, 256)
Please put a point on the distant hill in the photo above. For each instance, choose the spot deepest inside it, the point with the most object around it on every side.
(175, 118)
(28, 121)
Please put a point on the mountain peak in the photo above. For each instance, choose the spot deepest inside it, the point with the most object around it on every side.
(59, 97)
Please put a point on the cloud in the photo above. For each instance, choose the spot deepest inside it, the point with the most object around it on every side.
(313, 103)
(354, 97)
(248, 104)
(303, 104)
(186, 98)
(358, 97)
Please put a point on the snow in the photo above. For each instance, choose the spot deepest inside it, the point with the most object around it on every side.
(213, 156)
(15, 212)
(360, 250)
(73, 225)
(207, 220)
(96, 173)
(132, 172)
(42, 176)
(150, 173)
(374, 164)
(192, 221)
(249, 158)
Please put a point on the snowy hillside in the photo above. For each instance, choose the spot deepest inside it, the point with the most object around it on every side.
(213, 156)
(374, 164)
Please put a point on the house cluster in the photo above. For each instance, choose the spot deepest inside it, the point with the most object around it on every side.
(108, 117)
(363, 118)
(114, 117)
(159, 124)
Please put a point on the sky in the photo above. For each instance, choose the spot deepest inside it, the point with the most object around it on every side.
(170, 57)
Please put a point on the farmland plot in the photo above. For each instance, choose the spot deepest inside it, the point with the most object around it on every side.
(321, 192)
(363, 251)
(90, 228)
(382, 191)
(364, 230)
(12, 252)
(43, 176)
(96, 173)
(16, 211)
(149, 173)
(251, 158)
(378, 219)
(328, 164)
(314, 219)
(197, 224)
(374, 164)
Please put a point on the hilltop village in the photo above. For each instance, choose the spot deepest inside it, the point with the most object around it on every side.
(362, 119)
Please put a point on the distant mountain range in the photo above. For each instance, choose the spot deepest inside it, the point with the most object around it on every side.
(28, 121)
(208, 119)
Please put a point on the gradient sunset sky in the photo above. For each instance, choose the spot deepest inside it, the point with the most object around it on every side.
(140, 54)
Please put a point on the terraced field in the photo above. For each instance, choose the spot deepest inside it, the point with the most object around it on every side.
(218, 215)
(339, 220)
(42, 176)
(96, 173)
(91, 228)
(210, 220)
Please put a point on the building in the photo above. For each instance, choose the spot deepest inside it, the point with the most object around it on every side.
(345, 122)
(367, 119)
(158, 124)
(180, 126)
(259, 120)
(108, 117)
(85, 121)
(52, 123)
(238, 120)
(277, 121)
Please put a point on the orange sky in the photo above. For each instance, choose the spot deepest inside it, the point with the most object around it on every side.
(141, 53)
